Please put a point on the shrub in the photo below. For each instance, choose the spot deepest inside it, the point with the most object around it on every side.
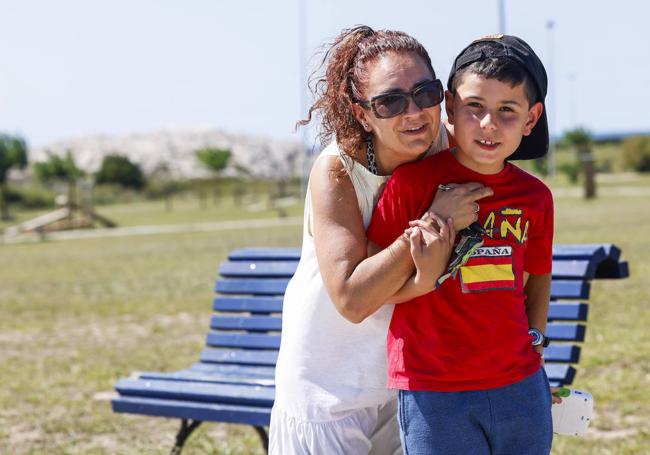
(120, 170)
(58, 168)
(571, 170)
(540, 165)
(636, 153)
(158, 188)
(31, 197)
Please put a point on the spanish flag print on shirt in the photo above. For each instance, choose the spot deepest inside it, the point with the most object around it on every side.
(489, 268)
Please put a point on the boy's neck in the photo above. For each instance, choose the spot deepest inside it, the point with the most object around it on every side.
(473, 165)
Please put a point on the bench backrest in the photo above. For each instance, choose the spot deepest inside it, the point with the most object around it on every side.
(245, 328)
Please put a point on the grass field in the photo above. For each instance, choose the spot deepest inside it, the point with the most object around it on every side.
(185, 208)
(77, 315)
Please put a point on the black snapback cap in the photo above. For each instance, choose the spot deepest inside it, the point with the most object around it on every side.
(535, 145)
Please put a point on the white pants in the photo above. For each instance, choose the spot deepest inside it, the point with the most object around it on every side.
(369, 431)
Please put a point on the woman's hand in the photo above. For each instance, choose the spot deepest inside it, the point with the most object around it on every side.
(458, 201)
(431, 241)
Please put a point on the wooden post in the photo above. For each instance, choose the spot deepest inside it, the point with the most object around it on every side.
(588, 172)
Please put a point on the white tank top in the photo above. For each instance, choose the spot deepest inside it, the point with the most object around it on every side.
(329, 367)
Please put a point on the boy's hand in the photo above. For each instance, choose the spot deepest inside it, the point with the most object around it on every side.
(556, 399)
(459, 202)
(431, 240)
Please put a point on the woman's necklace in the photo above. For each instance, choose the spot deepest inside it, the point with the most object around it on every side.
(370, 154)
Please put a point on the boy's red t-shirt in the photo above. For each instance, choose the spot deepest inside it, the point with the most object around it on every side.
(472, 332)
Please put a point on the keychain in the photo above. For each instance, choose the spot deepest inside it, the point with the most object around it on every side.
(471, 238)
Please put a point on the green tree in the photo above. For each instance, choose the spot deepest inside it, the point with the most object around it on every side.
(13, 154)
(216, 160)
(580, 140)
(120, 170)
(60, 168)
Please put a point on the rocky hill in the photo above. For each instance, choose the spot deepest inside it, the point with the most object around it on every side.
(171, 151)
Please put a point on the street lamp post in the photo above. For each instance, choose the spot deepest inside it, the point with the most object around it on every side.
(502, 17)
(302, 61)
(551, 114)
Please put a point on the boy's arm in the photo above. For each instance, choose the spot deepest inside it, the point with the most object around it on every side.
(538, 261)
(538, 296)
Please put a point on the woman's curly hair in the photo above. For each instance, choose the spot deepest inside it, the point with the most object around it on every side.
(345, 77)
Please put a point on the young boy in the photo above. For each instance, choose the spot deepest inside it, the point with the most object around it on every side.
(462, 356)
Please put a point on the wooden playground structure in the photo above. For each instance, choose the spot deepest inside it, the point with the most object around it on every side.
(68, 215)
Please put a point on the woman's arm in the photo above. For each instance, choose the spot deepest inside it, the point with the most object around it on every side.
(431, 244)
(358, 285)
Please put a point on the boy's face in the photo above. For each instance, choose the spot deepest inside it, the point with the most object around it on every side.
(490, 117)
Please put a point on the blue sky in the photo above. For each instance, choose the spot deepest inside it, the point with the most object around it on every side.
(74, 67)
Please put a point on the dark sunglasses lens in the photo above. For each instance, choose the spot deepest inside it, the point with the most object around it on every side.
(390, 105)
(428, 96)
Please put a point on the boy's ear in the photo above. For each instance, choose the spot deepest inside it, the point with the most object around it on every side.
(534, 113)
(449, 106)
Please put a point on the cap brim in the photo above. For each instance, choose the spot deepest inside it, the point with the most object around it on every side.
(535, 145)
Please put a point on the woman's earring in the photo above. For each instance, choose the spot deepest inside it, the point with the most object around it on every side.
(367, 127)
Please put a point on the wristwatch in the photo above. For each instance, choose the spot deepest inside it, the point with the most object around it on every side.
(539, 338)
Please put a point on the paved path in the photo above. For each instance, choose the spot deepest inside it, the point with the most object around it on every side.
(624, 191)
(157, 229)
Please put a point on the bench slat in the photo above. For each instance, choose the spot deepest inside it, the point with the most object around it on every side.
(258, 269)
(565, 332)
(567, 311)
(265, 254)
(573, 269)
(240, 394)
(559, 373)
(252, 304)
(268, 286)
(191, 410)
(569, 289)
(560, 289)
(262, 376)
(564, 353)
(589, 252)
(243, 340)
(604, 256)
(254, 323)
(239, 356)
(596, 252)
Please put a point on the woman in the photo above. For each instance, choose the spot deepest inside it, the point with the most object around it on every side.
(381, 101)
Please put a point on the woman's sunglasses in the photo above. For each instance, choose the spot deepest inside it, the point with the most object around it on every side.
(425, 95)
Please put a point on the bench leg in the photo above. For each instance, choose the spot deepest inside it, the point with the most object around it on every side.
(187, 427)
(264, 436)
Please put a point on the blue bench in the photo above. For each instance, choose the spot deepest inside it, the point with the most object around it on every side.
(233, 381)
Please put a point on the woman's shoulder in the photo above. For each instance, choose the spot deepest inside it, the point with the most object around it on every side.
(331, 149)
